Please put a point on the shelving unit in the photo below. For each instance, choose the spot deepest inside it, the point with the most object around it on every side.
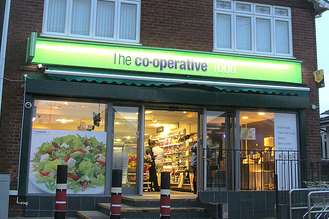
(176, 156)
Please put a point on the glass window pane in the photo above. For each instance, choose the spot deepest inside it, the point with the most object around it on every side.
(61, 115)
(263, 9)
(216, 150)
(223, 31)
(56, 14)
(263, 35)
(128, 21)
(60, 135)
(243, 7)
(243, 33)
(224, 4)
(282, 40)
(268, 145)
(125, 144)
(81, 17)
(105, 18)
(281, 11)
(257, 150)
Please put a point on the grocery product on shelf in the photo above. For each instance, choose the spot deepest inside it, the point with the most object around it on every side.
(175, 154)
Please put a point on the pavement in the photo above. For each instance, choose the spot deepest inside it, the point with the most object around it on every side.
(38, 218)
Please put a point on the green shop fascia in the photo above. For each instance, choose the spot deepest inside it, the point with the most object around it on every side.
(143, 78)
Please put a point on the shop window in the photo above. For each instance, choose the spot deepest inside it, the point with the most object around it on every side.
(60, 135)
(268, 147)
(125, 145)
(104, 20)
(258, 29)
(217, 150)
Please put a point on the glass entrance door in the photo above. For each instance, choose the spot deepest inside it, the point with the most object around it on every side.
(170, 145)
(125, 141)
(219, 143)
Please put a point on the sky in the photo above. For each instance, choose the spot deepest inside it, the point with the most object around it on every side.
(322, 35)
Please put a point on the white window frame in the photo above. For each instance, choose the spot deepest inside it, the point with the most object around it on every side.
(92, 32)
(253, 14)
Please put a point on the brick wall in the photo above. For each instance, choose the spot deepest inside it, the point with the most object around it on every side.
(184, 24)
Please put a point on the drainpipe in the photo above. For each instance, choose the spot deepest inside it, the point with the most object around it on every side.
(4, 45)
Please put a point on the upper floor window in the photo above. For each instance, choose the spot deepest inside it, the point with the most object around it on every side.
(107, 20)
(252, 28)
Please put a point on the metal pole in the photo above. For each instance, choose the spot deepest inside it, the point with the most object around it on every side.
(116, 194)
(140, 150)
(165, 196)
(61, 188)
(276, 196)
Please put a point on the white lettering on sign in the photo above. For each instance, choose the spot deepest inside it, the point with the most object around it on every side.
(226, 67)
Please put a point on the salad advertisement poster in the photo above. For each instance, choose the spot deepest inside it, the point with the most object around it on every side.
(84, 153)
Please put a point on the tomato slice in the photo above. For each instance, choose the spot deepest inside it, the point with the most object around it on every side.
(66, 158)
(101, 162)
(44, 173)
(73, 176)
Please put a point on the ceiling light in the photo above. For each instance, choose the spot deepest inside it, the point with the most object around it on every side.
(155, 121)
(156, 125)
(64, 121)
(184, 112)
(261, 113)
(148, 112)
(117, 123)
(245, 117)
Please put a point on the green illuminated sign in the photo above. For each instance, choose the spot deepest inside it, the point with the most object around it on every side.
(160, 61)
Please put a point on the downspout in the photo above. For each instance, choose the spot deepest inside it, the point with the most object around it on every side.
(4, 46)
(4, 38)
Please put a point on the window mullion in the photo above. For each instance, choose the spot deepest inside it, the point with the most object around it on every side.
(233, 34)
(273, 38)
(117, 19)
(291, 53)
(68, 19)
(45, 16)
(138, 21)
(253, 33)
(92, 28)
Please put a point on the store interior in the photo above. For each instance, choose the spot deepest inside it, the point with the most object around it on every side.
(65, 115)
(257, 150)
(170, 146)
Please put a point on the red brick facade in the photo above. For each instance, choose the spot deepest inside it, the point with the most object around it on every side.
(181, 24)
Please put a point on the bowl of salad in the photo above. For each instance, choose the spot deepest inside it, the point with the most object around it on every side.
(84, 156)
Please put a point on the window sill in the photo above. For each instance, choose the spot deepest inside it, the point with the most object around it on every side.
(260, 55)
(90, 39)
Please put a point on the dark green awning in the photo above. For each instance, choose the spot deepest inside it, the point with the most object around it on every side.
(153, 80)
(164, 92)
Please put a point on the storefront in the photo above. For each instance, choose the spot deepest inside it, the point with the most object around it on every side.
(214, 121)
